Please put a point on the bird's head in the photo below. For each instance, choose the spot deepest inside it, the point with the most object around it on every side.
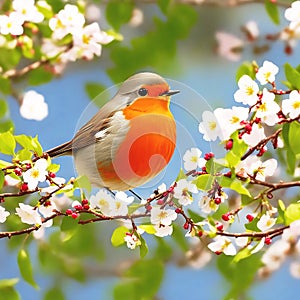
(145, 85)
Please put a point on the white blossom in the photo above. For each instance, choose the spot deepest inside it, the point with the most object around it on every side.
(255, 136)
(222, 244)
(229, 120)
(103, 201)
(229, 46)
(28, 11)
(266, 222)
(132, 241)
(92, 13)
(183, 190)
(11, 24)
(163, 230)
(36, 174)
(192, 159)
(88, 40)
(162, 216)
(68, 20)
(292, 13)
(252, 29)
(295, 269)
(266, 73)
(137, 17)
(247, 92)
(28, 214)
(207, 205)
(275, 255)
(291, 106)
(209, 126)
(33, 106)
(268, 109)
(3, 214)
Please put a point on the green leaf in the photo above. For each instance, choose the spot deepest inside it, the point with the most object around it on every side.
(117, 238)
(9, 58)
(54, 293)
(83, 183)
(6, 126)
(9, 293)
(181, 175)
(245, 69)
(5, 85)
(119, 12)
(204, 182)
(242, 254)
(292, 213)
(7, 143)
(8, 282)
(246, 200)
(239, 146)
(53, 168)
(163, 5)
(23, 154)
(281, 212)
(195, 216)
(29, 143)
(294, 138)
(39, 76)
(25, 267)
(56, 5)
(137, 279)
(252, 226)
(143, 247)
(3, 108)
(149, 228)
(272, 10)
(237, 186)
(1, 179)
(93, 89)
(240, 275)
(179, 238)
(292, 75)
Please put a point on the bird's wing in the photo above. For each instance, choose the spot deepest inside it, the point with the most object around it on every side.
(92, 131)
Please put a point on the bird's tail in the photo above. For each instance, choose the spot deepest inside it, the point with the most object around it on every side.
(63, 149)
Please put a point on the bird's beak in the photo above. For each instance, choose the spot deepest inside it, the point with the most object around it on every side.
(169, 93)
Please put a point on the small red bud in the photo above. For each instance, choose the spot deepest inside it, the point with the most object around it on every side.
(52, 175)
(250, 217)
(203, 169)
(18, 171)
(47, 203)
(69, 212)
(186, 225)
(248, 128)
(218, 252)
(208, 156)
(74, 215)
(200, 233)
(160, 202)
(257, 120)
(86, 206)
(148, 207)
(178, 210)
(229, 144)
(220, 226)
(84, 201)
(218, 200)
(78, 207)
(268, 240)
(28, 166)
(226, 217)
(24, 187)
(228, 174)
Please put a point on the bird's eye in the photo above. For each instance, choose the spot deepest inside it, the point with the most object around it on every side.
(142, 92)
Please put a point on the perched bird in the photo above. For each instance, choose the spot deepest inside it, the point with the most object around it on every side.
(130, 139)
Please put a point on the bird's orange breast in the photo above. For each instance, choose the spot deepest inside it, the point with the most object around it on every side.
(148, 146)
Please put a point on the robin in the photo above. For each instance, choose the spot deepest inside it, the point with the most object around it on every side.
(131, 138)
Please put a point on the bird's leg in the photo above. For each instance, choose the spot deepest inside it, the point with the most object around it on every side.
(110, 191)
(135, 194)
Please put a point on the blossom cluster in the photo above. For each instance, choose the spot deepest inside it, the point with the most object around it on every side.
(231, 46)
(67, 38)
